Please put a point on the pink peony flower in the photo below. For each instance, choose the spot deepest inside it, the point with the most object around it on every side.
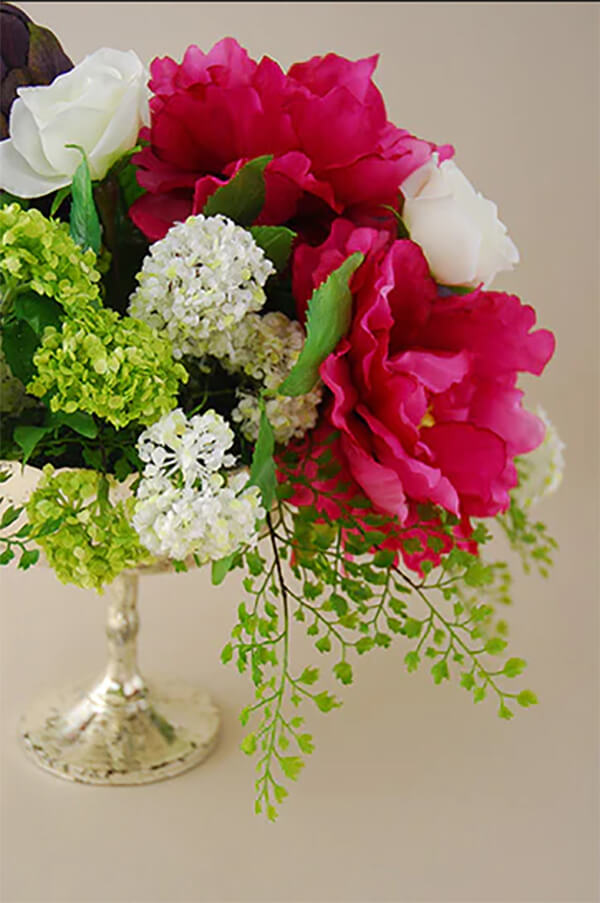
(424, 386)
(324, 123)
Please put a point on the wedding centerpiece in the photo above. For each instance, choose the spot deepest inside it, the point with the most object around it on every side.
(247, 322)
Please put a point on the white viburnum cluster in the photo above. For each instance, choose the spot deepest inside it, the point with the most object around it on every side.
(541, 471)
(185, 505)
(199, 281)
(265, 349)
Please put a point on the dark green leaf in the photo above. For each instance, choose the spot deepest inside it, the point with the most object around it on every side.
(7, 556)
(38, 312)
(28, 559)
(79, 421)
(28, 437)
(84, 222)
(327, 321)
(243, 197)
(276, 242)
(59, 197)
(19, 343)
(9, 516)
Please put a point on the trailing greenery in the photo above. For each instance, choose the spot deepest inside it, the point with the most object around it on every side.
(352, 594)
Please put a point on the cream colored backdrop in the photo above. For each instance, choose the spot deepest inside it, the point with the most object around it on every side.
(413, 794)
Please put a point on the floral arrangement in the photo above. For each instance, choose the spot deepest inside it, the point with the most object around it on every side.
(247, 321)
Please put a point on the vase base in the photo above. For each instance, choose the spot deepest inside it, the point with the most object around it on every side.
(111, 734)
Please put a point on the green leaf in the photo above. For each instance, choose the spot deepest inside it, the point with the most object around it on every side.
(343, 672)
(7, 198)
(227, 653)
(59, 197)
(28, 437)
(411, 660)
(514, 666)
(9, 516)
(384, 558)
(276, 242)
(495, 645)
(527, 698)
(365, 644)
(305, 742)
(243, 197)
(309, 676)
(84, 222)
(38, 312)
(291, 766)
(326, 702)
(19, 344)
(28, 559)
(262, 470)
(248, 744)
(440, 671)
(7, 556)
(412, 627)
(324, 644)
(327, 321)
(505, 712)
(467, 680)
(478, 694)
(79, 421)
(221, 568)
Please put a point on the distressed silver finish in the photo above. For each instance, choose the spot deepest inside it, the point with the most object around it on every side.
(121, 730)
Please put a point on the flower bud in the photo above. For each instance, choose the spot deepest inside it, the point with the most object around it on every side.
(29, 55)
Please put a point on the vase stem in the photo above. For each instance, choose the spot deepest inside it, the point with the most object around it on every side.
(122, 627)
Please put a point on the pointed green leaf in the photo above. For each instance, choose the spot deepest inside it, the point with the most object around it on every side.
(19, 344)
(84, 222)
(327, 321)
(221, 568)
(28, 437)
(243, 197)
(262, 470)
(59, 197)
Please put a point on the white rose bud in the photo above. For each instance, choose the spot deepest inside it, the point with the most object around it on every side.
(458, 229)
(99, 105)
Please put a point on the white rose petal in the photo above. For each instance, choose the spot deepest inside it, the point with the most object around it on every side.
(458, 229)
(99, 105)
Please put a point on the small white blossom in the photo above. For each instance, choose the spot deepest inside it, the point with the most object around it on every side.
(199, 281)
(265, 349)
(184, 504)
(195, 448)
(542, 469)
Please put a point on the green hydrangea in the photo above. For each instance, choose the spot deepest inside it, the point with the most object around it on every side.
(95, 541)
(38, 253)
(115, 367)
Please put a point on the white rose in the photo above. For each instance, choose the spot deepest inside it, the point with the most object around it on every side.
(541, 471)
(99, 105)
(458, 229)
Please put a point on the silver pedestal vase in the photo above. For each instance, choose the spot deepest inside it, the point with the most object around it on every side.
(121, 729)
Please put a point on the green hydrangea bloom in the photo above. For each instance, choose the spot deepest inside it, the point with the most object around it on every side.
(38, 253)
(115, 367)
(95, 541)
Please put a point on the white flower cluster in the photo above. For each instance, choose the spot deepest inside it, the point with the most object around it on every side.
(542, 469)
(184, 504)
(199, 281)
(265, 349)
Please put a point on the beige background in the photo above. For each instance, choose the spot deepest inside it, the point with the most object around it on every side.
(413, 794)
